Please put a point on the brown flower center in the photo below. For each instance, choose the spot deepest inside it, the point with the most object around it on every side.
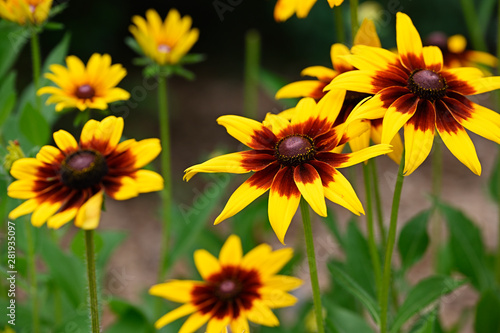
(83, 169)
(85, 92)
(427, 84)
(163, 48)
(295, 149)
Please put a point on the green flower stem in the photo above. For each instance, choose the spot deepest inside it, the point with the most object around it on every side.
(497, 266)
(437, 175)
(473, 26)
(91, 276)
(35, 56)
(354, 18)
(378, 201)
(391, 239)
(165, 172)
(339, 24)
(32, 278)
(372, 244)
(313, 271)
(252, 61)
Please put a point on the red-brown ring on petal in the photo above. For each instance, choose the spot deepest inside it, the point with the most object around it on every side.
(427, 84)
(83, 169)
(85, 91)
(295, 149)
(227, 292)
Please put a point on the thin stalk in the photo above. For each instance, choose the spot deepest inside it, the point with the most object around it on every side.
(354, 18)
(91, 276)
(378, 201)
(252, 65)
(32, 279)
(35, 57)
(437, 179)
(391, 240)
(165, 172)
(372, 244)
(472, 22)
(313, 271)
(339, 24)
(497, 266)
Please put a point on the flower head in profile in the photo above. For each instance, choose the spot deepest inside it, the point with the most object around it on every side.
(236, 288)
(456, 54)
(414, 90)
(284, 9)
(92, 86)
(165, 42)
(366, 35)
(69, 181)
(291, 159)
(25, 11)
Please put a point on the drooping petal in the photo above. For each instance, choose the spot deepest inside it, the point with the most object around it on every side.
(206, 263)
(231, 252)
(324, 74)
(180, 312)
(396, 143)
(397, 115)
(484, 84)
(248, 131)
(194, 322)
(304, 88)
(309, 184)
(261, 314)
(370, 108)
(360, 81)
(23, 209)
(409, 43)
(363, 155)
(89, 214)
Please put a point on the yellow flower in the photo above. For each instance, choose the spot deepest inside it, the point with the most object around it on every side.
(414, 90)
(291, 159)
(284, 9)
(236, 289)
(83, 87)
(68, 181)
(24, 11)
(164, 42)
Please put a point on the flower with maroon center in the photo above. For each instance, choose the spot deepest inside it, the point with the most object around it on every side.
(68, 181)
(291, 159)
(413, 90)
(236, 289)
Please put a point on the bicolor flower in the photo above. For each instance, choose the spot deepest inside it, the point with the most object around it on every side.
(291, 159)
(79, 86)
(165, 42)
(366, 35)
(235, 289)
(413, 90)
(284, 9)
(25, 11)
(68, 181)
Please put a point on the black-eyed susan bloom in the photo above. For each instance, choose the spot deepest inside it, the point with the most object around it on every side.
(291, 159)
(236, 289)
(165, 42)
(68, 181)
(25, 11)
(284, 9)
(413, 90)
(85, 87)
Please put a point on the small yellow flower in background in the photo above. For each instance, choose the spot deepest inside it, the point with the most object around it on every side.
(92, 86)
(24, 11)
(291, 159)
(284, 9)
(366, 35)
(414, 90)
(455, 53)
(236, 289)
(68, 181)
(166, 42)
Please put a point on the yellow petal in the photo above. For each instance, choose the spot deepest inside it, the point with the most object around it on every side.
(409, 42)
(89, 214)
(483, 122)
(367, 34)
(194, 322)
(365, 154)
(206, 263)
(433, 58)
(239, 324)
(148, 181)
(309, 184)
(370, 108)
(123, 188)
(303, 111)
(275, 298)
(360, 81)
(320, 72)
(24, 208)
(216, 325)
(49, 155)
(261, 314)
(255, 257)
(45, 210)
(283, 10)
(61, 218)
(305, 88)
(397, 115)
(175, 290)
(248, 131)
(276, 123)
(26, 168)
(180, 312)
(231, 252)
(283, 282)
(144, 151)
(65, 141)
(371, 58)
(23, 189)
(275, 261)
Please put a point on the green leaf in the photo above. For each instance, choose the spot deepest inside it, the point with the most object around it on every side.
(181, 71)
(487, 318)
(34, 126)
(192, 58)
(494, 181)
(12, 39)
(132, 43)
(7, 96)
(130, 318)
(486, 8)
(413, 239)
(426, 324)
(332, 224)
(344, 321)
(467, 248)
(423, 295)
(347, 282)
(54, 26)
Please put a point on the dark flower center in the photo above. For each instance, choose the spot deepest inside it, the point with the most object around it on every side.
(295, 149)
(228, 292)
(83, 169)
(427, 84)
(85, 92)
(163, 48)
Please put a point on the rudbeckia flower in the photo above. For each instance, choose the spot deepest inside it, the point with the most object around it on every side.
(413, 90)
(366, 35)
(455, 53)
(235, 289)
(166, 42)
(291, 159)
(24, 11)
(83, 87)
(68, 181)
(284, 9)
